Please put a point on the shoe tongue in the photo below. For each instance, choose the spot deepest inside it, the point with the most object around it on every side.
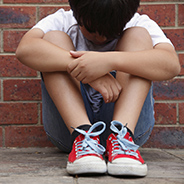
(118, 127)
(84, 127)
(75, 134)
(128, 134)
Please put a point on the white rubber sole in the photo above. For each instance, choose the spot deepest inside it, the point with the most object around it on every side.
(89, 164)
(127, 167)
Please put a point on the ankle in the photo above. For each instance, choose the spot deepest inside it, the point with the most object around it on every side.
(131, 133)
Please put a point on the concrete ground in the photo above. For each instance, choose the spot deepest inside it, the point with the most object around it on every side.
(47, 166)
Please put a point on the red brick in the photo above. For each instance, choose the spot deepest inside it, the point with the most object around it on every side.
(0, 41)
(16, 136)
(169, 90)
(36, 1)
(163, 14)
(18, 113)
(177, 37)
(181, 14)
(11, 67)
(17, 16)
(12, 40)
(181, 113)
(1, 136)
(161, 0)
(22, 89)
(41, 118)
(0, 89)
(181, 58)
(165, 113)
(166, 137)
(44, 11)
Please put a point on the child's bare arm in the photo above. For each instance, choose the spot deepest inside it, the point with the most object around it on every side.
(157, 64)
(41, 55)
(160, 63)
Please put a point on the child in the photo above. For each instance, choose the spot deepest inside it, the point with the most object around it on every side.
(98, 62)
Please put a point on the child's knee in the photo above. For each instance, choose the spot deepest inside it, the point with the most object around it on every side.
(125, 79)
(60, 39)
(135, 39)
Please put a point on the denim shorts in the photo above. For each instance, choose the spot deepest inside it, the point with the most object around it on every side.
(59, 135)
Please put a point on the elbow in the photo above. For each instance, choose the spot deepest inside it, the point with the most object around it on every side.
(176, 67)
(20, 53)
(177, 70)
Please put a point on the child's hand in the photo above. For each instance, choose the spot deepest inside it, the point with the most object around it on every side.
(108, 86)
(88, 66)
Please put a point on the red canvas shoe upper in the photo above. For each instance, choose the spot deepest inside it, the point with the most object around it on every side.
(120, 145)
(78, 151)
(87, 144)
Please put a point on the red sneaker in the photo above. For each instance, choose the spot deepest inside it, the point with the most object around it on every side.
(123, 155)
(86, 154)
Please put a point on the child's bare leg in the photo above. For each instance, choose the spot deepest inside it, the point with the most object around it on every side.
(135, 89)
(63, 89)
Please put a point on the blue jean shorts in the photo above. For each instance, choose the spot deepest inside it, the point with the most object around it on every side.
(59, 135)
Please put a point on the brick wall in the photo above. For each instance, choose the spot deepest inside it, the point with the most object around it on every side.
(20, 92)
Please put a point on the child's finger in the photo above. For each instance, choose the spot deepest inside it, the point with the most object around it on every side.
(104, 94)
(76, 54)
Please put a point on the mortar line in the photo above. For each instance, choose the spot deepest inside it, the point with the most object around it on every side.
(39, 116)
(3, 132)
(177, 114)
(22, 78)
(21, 101)
(35, 5)
(22, 125)
(37, 13)
(160, 3)
(176, 15)
(169, 101)
(168, 126)
(2, 89)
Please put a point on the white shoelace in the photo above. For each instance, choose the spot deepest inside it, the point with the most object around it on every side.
(122, 145)
(89, 145)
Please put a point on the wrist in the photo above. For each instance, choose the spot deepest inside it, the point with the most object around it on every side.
(111, 60)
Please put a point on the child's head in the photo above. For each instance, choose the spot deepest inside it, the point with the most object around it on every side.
(106, 17)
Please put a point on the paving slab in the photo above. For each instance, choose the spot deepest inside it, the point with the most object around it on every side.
(177, 153)
(21, 179)
(47, 166)
(111, 180)
(39, 161)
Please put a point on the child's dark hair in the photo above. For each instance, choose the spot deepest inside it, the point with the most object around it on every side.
(107, 17)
